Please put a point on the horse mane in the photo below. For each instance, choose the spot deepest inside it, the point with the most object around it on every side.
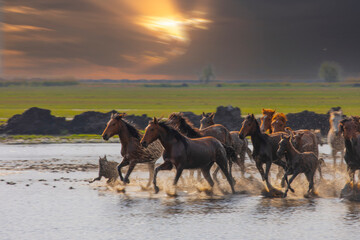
(131, 129)
(280, 116)
(185, 126)
(178, 136)
(268, 111)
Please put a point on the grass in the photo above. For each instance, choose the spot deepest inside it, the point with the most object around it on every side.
(67, 101)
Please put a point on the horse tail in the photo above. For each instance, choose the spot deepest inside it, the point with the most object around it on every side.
(230, 153)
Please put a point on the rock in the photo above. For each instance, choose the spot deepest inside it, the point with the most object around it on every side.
(90, 122)
(229, 116)
(308, 120)
(34, 121)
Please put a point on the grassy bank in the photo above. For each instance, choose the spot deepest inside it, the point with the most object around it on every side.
(159, 100)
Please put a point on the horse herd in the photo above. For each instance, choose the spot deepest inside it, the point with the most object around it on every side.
(184, 146)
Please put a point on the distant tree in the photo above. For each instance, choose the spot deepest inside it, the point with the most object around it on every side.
(330, 71)
(207, 74)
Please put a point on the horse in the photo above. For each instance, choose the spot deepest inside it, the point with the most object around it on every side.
(186, 153)
(335, 138)
(278, 122)
(266, 120)
(240, 145)
(265, 146)
(297, 163)
(218, 131)
(350, 128)
(131, 150)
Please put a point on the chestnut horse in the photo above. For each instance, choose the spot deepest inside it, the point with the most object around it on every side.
(240, 145)
(266, 120)
(278, 122)
(186, 153)
(350, 128)
(131, 150)
(297, 163)
(335, 138)
(265, 146)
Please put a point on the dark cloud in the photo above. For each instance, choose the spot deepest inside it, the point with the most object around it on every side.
(248, 39)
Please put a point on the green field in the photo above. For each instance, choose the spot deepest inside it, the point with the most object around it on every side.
(158, 100)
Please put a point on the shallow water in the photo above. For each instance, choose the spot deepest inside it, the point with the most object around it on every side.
(39, 203)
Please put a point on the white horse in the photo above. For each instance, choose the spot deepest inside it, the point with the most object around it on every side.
(335, 138)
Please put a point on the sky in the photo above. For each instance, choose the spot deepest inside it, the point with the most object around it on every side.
(176, 39)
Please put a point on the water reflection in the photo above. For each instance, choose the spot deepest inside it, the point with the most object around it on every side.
(352, 214)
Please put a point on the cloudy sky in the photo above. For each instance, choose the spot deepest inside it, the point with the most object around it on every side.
(175, 39)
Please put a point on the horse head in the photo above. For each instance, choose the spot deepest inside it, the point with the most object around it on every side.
(266, 120)
(113, 126)
(151, 133)
(207, 120)
(278, 122)
(249, 126)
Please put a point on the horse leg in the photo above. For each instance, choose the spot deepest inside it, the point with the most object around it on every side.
(178, 174)
(167, 165)
(206, 173)
(215, 174)
(249, 153)
(198, 175)
(151, 166)
(333, 152)
(267, 170)
(351, 175)
(289, 182)
(124, 163)
(222, 163)
(310, 178)
(260, 168)
(95, 179)
(130, 169)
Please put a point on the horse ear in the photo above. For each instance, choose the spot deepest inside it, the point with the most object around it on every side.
(252, 115)
(123, 114)
(155, 120)
(212, 115)
(203, 114)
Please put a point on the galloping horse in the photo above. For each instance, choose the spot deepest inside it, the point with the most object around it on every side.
(265, 146)
(186, 153)
(335, 138)
(297, 163)
(266, 120)
(350, 128)
(218, 131)
(240, 145)
(131, 150)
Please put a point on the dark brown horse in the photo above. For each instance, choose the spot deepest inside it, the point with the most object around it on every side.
(350, 128)
(265, 146)
(304, 140)
(266, 120)
(240, 145)
(131, 150)
(297, 163)
(218, 131)
(186, 153)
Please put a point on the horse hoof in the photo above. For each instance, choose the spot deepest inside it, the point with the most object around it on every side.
(156, 189)
(292, 190)
(127, 181)
(284, 195)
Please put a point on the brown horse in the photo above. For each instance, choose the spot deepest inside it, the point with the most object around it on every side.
(265, 146)
(335, 138)
(304, 140)
(186, 153)
(350, 128)
(266, 120)
(240, 145)
(131, 150)
(297, 163)
(278, 122)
